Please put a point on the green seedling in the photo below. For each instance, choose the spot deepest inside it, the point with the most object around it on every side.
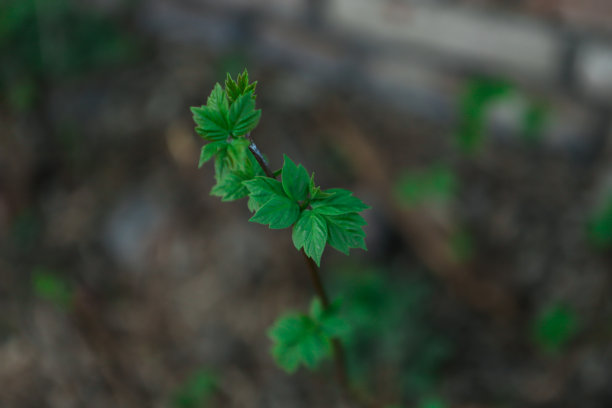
(317, 217)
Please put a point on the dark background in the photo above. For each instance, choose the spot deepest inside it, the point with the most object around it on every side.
(478, 131)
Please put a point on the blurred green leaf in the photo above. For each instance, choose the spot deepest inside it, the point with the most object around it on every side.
(26, 229)
(554, 328)
(209, 150)
(599, 226)
(389, 323)
(230, 182)
(331, 321)
(473, 107)
(434, 184)
(237, 153)
(535, 121)
(298, 340)
(306, 339)
(462, 245)
(196, 391)
(42, 41)
(22, 94)
(49, 286)
(432, 402)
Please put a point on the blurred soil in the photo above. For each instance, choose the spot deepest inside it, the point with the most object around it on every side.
(99, 187)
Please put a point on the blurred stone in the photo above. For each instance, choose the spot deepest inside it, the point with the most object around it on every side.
(589, 14)
(594, 70)
(131, 229)
(507, 44)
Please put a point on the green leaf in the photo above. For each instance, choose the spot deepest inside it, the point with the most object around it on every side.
(230, 186)
(263, 189)
(243, 117)
(237, 150)
(240, 87)
(330, 321)
(339, 201)
(296, 181)
(209, 151)
(345, 232)
(211, 124)
(279, 212)
(212, 119)
(298, 339)
(343, 239)
(310, 233)
(313, 348)
(217, 100)
(230, 181)
(315, 192)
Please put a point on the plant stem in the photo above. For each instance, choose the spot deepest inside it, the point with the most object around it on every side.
(315, 277)
(259, 157)
(337, 346)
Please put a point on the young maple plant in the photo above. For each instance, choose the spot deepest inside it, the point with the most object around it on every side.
(317, 217)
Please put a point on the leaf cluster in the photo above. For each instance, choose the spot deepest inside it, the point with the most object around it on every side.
(306, 339)
(319, 217)
(225, 121)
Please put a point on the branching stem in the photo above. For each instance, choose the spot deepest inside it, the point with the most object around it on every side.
(315, 277)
